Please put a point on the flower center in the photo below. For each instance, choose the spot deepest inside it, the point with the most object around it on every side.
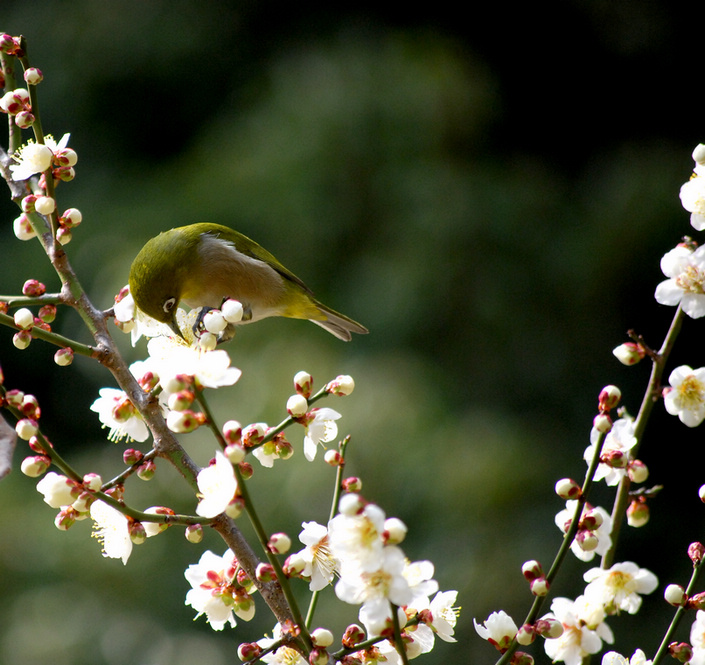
(691, 392)
(691, 280)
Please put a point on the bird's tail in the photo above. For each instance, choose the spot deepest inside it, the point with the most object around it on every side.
(336, 323)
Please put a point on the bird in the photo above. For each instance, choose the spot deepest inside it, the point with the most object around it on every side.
(202, 265)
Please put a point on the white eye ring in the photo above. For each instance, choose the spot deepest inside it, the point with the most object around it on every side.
(169, 304)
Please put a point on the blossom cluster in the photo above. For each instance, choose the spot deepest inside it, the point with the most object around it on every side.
(360, 549)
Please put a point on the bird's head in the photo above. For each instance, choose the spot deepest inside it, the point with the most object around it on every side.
(159, 271)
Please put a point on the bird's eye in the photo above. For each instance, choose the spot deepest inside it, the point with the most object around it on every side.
(169, 304)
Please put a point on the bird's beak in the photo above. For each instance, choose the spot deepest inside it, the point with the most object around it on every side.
(175, 327)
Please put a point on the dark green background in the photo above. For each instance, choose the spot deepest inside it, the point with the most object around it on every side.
(489, 189)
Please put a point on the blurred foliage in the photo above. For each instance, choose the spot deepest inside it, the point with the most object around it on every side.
(489, 196)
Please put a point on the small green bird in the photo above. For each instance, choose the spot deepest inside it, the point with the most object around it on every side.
(203, 265)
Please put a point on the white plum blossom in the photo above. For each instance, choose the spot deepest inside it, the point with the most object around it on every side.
(112, 530)
(440, 613)
(116, 412)
(217, 486)
(692, 195)
(686, 396)
(584, 630)
(358, 539)
(215, 592)
(320, 429)
(283, 655)
(31, 158)
(620, 439)
(685, 270)
(697, 639)
(619, 588)
(171, 358)
(613, 658)
(320, 565)
(375, 589)
(499, 629)
(419, 575)
(58, 490)
(604, 540)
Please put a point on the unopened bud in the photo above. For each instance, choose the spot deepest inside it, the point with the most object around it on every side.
(549, 627)
(146, 470)
(265, 572)
(322, 637)
(629, 353)
(23, 318)
(697, 601)
(294, 565)
(303, 384)
(352, 484)
(637, 513)
(675, 595)
(214, 322)
(248, 651)
(26, 428)
(137, 533)
(35, 465)
(332, 457)
(194, 533)
(232, 431)
(352, 636)
(637, 471)
(531, 570)
(591, 520)
(237, 505)
(64, 357)
(567, 488)
(699, 154)
(279, 543)
(92, 482)
(71, 217)
(182, 422)
(539, 586)
(615, 459)
(232, 310)
(526, 635)
(33, 76)
(609, 398)
(602, 423)
(522, 658)
(681, 651)
(254, 434)
(342, 385)
(45, 205)
(696, 551)
(235, 453)
(395, 531)
(587, 540)
(296, 405)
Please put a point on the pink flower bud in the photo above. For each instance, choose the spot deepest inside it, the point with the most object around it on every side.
(33, 76)
(318, 656)
(322, 637)
(279, 543)
(567, 488)
(303, 384)
(236, 506)
(539, 586)
(591, 521)
(352, 636)
(341, 385)
(602, 423)
(182, 422)
(63, 235)
(531, 570)
(352, 484)
(254, 434)
(549, 627)
(181, 400)
(235, 453)
(587, 540)
(138, 534)
(526, 635)
(637, 513)
(65, 518)
(696, 551)
(522, 658)
(71, 217)
(265, 572)
(23, 228)
(637, 471)
(146, 470)
(296, 405)
(697, 601)
(194, 533)
(232, 431)
(22, 339)
(63, 357)
(24, 119)
(248, 651)
(26, 428)
(47, 313)
(92, 482)
(629, 353)
(332, 457)
(609, 398)
(35, 466)
(615, 459)
(682, 651)
(294, 565)
(394, 531)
